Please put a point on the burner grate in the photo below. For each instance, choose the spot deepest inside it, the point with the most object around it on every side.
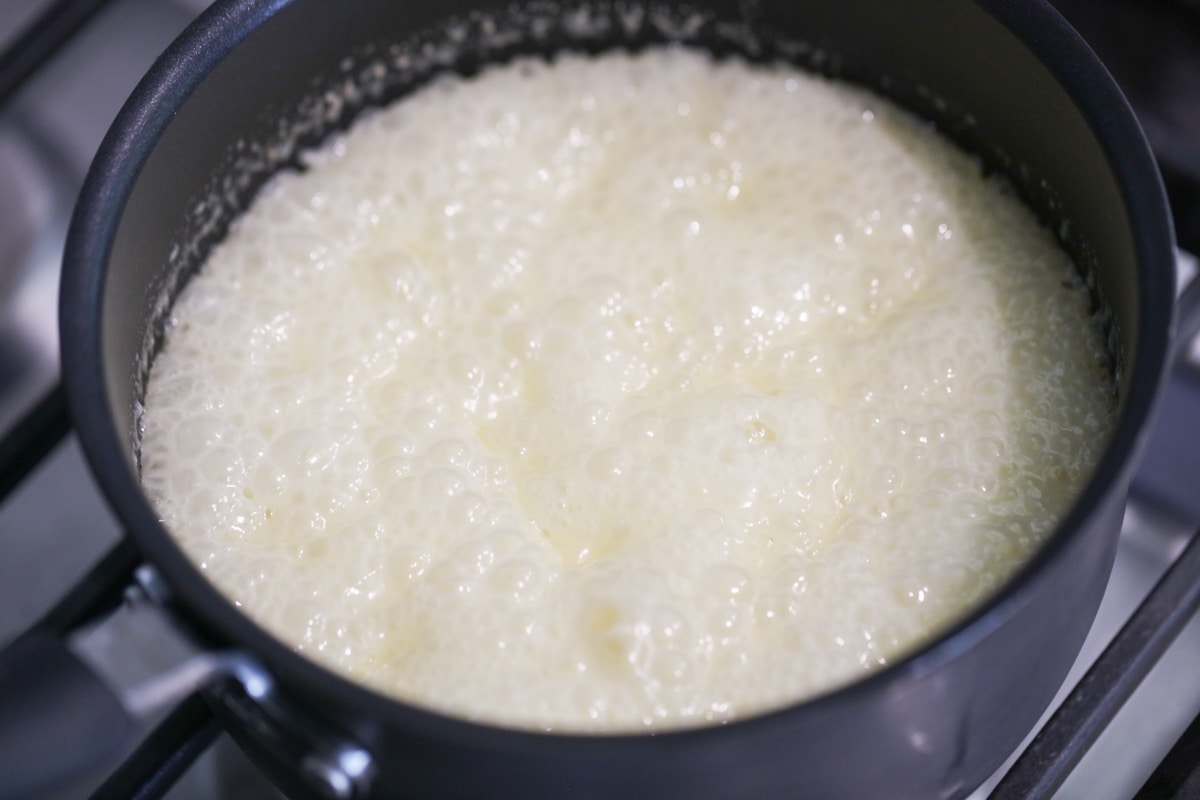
(1100, 694)
(164, 755)
(53, 28)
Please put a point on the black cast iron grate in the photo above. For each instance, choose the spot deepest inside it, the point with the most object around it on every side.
(170, 748)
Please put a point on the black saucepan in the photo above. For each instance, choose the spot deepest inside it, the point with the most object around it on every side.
(255, 81)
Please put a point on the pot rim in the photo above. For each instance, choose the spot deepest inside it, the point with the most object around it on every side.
(218, 31)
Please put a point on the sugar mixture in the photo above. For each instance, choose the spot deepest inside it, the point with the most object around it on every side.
(624, 391)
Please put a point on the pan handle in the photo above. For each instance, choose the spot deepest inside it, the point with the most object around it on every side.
(71, 705)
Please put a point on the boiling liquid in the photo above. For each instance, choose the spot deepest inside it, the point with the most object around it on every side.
(624, 391)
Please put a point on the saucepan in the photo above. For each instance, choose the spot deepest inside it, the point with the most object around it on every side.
(253, 83)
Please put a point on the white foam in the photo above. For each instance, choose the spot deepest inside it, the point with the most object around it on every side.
(631, 390)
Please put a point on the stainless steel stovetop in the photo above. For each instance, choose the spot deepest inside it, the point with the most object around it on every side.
(56, 524)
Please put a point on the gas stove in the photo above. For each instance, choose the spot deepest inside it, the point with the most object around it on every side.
(54, 526)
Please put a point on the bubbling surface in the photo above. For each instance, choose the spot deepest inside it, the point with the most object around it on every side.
(624, 391)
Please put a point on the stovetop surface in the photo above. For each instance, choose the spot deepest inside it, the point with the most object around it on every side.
(56, 524)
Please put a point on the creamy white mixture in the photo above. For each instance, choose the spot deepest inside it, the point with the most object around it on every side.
(624, 391)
